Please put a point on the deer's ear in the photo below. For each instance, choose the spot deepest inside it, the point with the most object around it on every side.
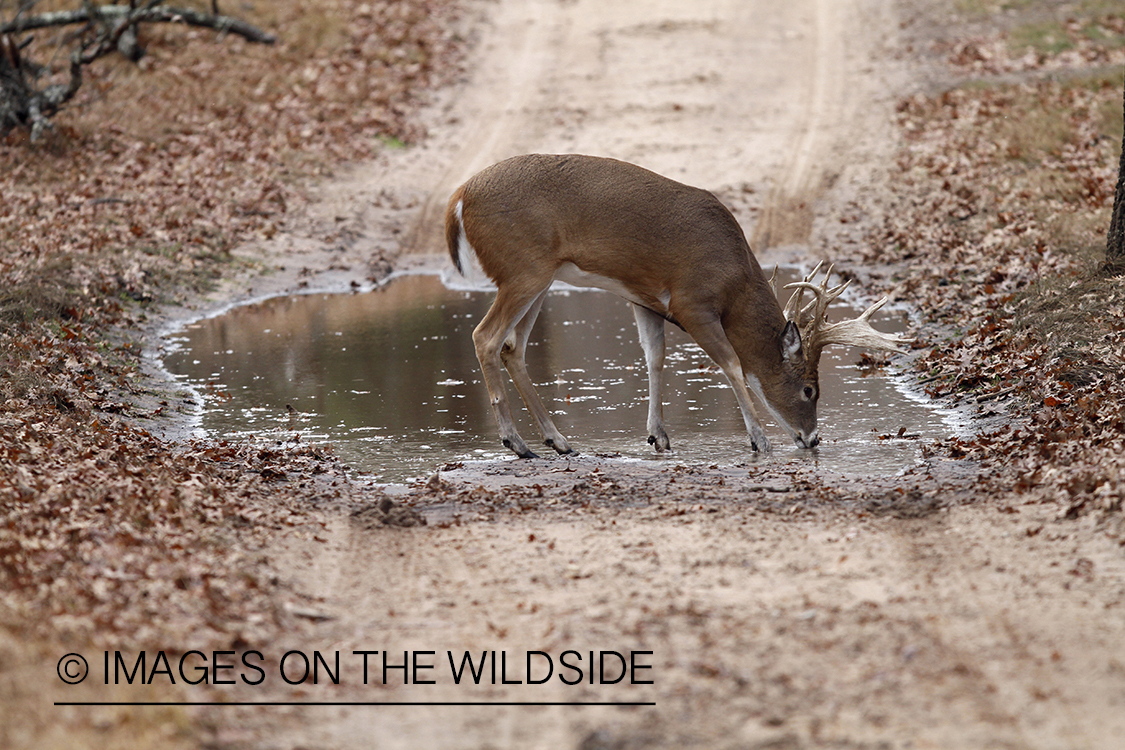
(791, 349)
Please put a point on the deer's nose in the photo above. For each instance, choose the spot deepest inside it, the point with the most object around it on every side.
(810, 442)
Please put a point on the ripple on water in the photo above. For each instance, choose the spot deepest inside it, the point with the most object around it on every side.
(390, 378)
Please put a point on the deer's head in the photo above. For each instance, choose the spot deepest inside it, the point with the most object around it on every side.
(793, 395)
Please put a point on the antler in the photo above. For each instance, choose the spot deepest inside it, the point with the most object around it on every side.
(814, 312)
(817, 332)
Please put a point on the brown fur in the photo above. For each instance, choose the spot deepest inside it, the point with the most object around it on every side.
(672, 249)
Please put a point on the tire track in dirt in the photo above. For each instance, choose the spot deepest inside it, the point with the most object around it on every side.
(730, 95)
(1021, 621)
(815, 629)
(788, 214)
(486, 114)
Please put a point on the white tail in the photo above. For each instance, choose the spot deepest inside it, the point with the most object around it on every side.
(672, 250)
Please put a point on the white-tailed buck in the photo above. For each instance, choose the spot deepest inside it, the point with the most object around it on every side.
(674, 251)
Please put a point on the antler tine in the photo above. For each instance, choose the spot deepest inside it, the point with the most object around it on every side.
(806, 313)
(821, 291)
(817, 332)
(793, 306)
(858, 332)
(873, 309)
(829, 295)
(773, 281)
(814, 312)
(793, 309)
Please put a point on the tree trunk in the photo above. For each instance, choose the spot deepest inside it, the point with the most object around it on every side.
(1115, 239)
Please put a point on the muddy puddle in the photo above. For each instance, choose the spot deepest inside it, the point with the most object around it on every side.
(390, 379)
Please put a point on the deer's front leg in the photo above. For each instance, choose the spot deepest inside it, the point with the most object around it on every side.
(711, 337)
(650, 327)
(513, 355)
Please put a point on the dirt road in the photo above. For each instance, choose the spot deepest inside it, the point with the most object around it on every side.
(764, 105)
(738, 96)
(967, 627)
(773, 609)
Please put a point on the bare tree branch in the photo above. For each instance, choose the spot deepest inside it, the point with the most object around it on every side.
(149, 13)
(106, 28)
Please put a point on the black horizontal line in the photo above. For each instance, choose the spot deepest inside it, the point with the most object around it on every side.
(355, 703)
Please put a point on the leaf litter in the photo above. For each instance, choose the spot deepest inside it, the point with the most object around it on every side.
(996, 236)
(109, 535)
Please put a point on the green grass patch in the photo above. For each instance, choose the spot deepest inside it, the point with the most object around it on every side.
(1045, 38)
(978, 9)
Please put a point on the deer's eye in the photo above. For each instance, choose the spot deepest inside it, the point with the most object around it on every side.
(810, 393)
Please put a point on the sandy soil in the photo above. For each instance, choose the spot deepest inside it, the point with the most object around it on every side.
(782, 608)
(809, 625)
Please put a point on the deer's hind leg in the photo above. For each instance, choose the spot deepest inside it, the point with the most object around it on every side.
(513, 355)
(501, 342)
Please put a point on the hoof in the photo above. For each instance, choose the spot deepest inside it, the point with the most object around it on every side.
(524, 453)
(660, 443)
(567, 451)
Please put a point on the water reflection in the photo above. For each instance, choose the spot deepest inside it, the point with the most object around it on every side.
(389, 377)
